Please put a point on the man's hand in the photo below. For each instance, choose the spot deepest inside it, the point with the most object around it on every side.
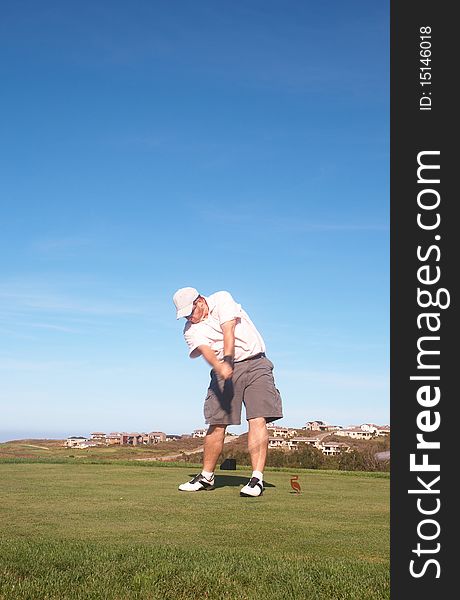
(224, 370)
(221, 367)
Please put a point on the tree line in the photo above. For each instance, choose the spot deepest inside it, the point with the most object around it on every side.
(360, 458)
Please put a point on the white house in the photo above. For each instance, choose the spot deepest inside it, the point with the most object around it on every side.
(355, 432)
(383, 430)
(313, 425)
(78, 441)
(334, 448)
(284, 432)
(199, 433)
(296, 442)
(276, 442)
(369, 427)
(319, 426)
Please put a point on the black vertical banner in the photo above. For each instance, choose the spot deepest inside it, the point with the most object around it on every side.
(424, 324)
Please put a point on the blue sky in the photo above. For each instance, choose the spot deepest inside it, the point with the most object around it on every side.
(149, 146)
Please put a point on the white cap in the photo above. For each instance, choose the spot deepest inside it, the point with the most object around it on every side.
(184, 299)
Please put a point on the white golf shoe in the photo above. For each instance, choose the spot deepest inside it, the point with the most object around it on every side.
(254, 488)
(198, 483)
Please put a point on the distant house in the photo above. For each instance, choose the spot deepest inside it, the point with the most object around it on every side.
(283, 432)
(275, 442)
(310, 441)
(383, 430)
(114, 439)
(334, 448)
(79, 442)
(313, 425)
(355, 432)
(291, 443)
(89, 444)
(369, 427)
(75, 441)
(135, 438)
(156, 436)
(199, 433)
(328, 448)
(319, 426)
(99, 437)
(132, 439)
(296, 442)
(366, 431)
(331, 428)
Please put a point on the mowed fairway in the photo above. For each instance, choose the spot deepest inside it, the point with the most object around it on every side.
(116, 531)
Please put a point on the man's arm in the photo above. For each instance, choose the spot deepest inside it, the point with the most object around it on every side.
(222, 368)
(228, 329)
(210, 356)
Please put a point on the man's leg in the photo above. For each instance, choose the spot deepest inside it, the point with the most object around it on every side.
(258, 447)
(213, 444)
(258, 443)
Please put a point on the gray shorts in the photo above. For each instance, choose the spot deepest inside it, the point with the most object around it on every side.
(252, 384)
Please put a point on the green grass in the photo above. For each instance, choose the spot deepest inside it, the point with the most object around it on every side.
(114, 531)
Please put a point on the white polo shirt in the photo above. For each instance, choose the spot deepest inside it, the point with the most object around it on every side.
(223, 308)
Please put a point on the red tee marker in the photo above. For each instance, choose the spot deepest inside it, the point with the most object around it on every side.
(295, 485)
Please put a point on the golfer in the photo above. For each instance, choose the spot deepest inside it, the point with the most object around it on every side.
(220, 330)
